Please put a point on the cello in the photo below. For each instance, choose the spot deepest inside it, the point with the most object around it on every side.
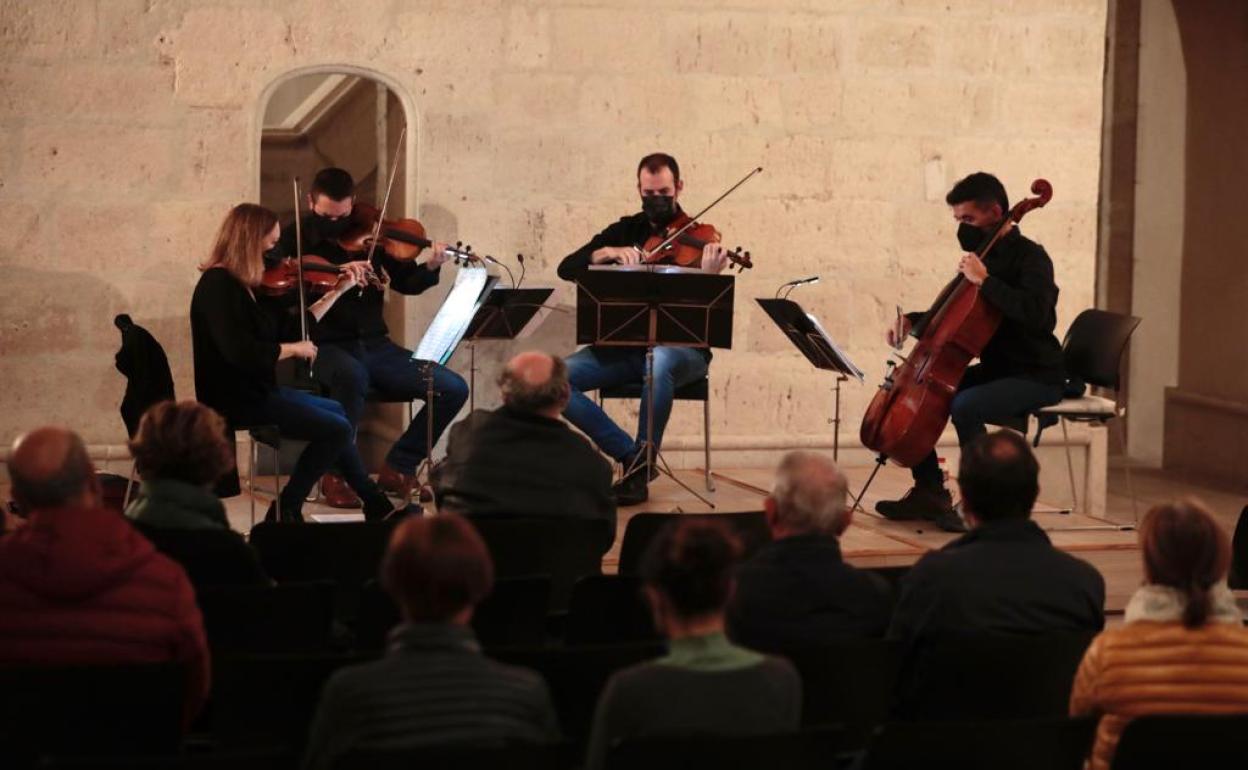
(910, 410)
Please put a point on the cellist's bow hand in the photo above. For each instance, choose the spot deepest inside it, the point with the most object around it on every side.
(973, 268)
(897, 332)
(714, 258)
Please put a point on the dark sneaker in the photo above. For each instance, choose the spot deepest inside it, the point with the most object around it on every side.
(950, 521)
(918, 503)
(633, 489)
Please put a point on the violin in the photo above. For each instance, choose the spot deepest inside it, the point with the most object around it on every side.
(319, 276)
(400, 239)
(682, 243)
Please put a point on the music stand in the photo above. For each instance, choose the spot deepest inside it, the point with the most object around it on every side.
(808, 336)
(506, 314)
(647, 308)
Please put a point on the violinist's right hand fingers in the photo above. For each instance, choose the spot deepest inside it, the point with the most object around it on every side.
(630, 256)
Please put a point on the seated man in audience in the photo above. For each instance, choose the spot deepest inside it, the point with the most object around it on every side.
(522, 459)
(798, 590)
(180, 451)
(1004, 577)
(705, 685)
(78, 585)
(434, 687)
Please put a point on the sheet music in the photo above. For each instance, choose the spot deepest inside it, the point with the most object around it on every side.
(840, 355)
(452, 320)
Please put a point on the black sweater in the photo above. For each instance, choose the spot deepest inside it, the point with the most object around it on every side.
(235, 347)
(1020, 284)
(628, 231)
(357, 315)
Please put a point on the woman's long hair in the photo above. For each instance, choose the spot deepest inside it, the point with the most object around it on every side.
(1186, 549)
(240, 243)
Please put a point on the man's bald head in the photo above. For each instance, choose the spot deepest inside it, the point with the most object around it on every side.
(809, 495)
(50, 468)
(535, 383)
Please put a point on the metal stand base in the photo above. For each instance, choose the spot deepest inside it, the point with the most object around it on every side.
(879, 463)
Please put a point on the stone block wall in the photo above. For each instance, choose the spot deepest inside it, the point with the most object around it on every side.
(129, 127)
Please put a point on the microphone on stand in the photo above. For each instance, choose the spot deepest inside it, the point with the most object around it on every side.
(791, 285)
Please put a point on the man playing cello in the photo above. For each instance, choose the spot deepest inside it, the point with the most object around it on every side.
(1020, 368)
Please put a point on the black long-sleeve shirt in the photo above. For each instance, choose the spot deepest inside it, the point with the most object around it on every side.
(628, 231)
(357, 315)
(1020, 284)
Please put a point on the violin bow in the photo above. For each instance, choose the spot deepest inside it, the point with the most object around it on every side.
(303, 297)
(693, 220)
(381, 215)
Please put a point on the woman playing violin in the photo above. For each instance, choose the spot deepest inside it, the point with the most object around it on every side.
(590, 368)
(236, 345)
(356, 354)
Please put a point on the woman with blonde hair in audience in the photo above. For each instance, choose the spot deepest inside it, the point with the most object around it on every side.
(1182, 647)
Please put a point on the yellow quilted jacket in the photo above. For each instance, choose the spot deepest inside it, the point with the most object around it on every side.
(1159, 667)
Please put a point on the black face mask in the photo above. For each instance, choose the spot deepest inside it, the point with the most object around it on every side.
(272, 256)
(970, 237)
(330, 228)
(659, 209)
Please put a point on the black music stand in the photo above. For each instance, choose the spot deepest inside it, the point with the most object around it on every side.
(649, 307)
(504, 315)
(808, 336)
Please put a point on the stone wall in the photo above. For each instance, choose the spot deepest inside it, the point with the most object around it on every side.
(129, 127)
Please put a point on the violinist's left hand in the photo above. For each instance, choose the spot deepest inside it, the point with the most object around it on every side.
(437, 255)
(714, 258)
(973, 268)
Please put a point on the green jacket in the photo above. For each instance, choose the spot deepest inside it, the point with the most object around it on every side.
(169, 504)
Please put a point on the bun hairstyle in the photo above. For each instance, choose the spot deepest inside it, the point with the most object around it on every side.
(1186, 549)
(691, 563)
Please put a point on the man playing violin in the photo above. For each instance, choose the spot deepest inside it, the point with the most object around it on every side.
(1020, 369)
(592, 368)
(355, 352)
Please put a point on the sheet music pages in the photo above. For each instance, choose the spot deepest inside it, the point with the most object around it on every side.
(842, 358)
(453, 317)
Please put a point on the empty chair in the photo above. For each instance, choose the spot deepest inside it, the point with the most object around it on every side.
(293, 617)
(849, 682)
(564, 549)
(996, 677)
(555, 756)
(1165, 741)
(750, 527)
(122, 709)
(577, 675)
(807, 750)
(1044, 744)
(211, 558)
(608, 609)
(513, 614)
(348, 553)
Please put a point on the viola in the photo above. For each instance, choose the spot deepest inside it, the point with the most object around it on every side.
(400, 239)
(682, 243)
(910, 410)
(319, 276)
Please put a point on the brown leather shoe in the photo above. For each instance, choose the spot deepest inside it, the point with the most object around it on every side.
(337, 494)
(395, 483)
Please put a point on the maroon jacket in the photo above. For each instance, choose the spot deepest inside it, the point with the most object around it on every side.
(82, 586)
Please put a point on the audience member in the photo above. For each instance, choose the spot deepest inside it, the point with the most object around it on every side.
(434, 686)
(798, 590)
(705, 684)
(78, 585)
(180, 451)
(1004, 576)
(522, 459)
(1182, 647)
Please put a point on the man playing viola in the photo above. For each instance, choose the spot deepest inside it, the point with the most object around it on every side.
(592, 368)
(355, 353)
(1020, 369)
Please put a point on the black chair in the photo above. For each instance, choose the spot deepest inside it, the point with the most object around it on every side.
(347, 553)
(994, 677)
(807, 750)
(213, 760)
(105, 710)
(1238, 576)
(1092, 353)
(1044, 744)
(287, 618)
(642, 528)
(608, 609)
(577, 675)
(514, 614)
(267, 701)
(1172, 740)
(848, 682)
(210, 557)
(519, 756)
(564, 549)
(694, 391)
(892, 575)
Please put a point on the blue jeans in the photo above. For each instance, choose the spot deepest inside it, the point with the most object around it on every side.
(591, 368)
(348, 370)
(981, 399)
(318, 421)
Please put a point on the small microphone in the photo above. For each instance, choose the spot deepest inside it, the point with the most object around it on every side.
(791, 285)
